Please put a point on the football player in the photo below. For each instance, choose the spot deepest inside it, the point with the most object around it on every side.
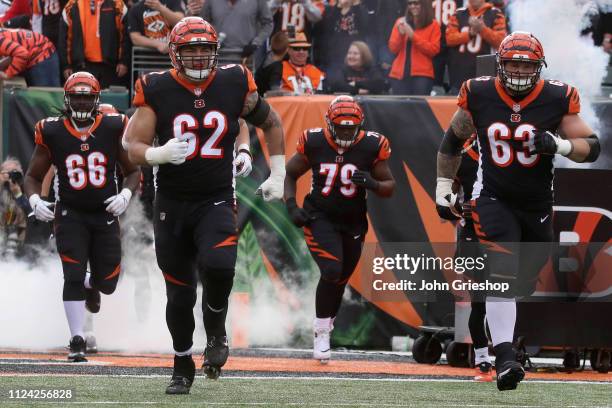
(522, 122)
(194, 109)
(346, 162)
(85, 147)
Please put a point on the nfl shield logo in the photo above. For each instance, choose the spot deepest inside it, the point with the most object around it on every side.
(516, 107)
(197, 91)
(162, 216)
(515, 117)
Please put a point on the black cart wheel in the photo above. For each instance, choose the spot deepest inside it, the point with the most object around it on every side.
(426, 350)
(600, 361)
(571, 360)
(458, 354)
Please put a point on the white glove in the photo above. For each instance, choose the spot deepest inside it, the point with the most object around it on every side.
(273, 188)
(117, 204)
(174, 151)
(41, 208)
(243, 164)
(445, 198)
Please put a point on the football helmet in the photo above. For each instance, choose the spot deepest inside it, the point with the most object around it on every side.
(194, 31)
(81, 95)
(524, 47)
(344, 119)
(107, 108)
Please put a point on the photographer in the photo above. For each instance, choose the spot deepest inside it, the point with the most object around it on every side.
(14, 207)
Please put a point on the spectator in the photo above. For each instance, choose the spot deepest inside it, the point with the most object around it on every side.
(301, 14)
(299, 76)
(341, 25)
(33, 55)
(474, 30)
(150, 22)
(14, 206)
(270, 75)
(415, 40)
(93, 38)
(383, 14)
(46, 16)
(244, 25)
(359, 75)
(443, 11)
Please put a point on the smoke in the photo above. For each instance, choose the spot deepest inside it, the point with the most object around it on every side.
(133, 318)
(571, 58)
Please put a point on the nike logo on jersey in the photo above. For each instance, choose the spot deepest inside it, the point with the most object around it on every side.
(220, 202)
(109, 222)
(356, 236)
(543, 219)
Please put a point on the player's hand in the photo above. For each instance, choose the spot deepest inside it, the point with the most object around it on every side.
(299, 216)
(364, 179)
(174, 151)
(41, 209)
(118, 203)
(273, 187)
(546, 142)
(243, 163)
(447, 204)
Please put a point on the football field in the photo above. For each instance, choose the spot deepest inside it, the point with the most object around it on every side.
(287, 379)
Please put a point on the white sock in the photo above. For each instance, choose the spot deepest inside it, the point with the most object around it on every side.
(322, 324)
(88, 327)
(183, 353)
(481, 355)
(501, 316)
(88, 280)
(75, 313)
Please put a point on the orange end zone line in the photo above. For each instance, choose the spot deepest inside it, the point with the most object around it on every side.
(296, 365)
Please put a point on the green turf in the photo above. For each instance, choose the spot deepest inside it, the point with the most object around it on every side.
(135, 392)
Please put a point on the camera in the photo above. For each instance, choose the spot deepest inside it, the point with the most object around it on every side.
(16, 176)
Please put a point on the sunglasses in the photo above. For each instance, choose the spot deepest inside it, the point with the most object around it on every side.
(300, 48)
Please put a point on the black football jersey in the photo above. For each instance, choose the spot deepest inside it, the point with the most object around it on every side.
(206, 116)
(85, 161)
(505, 133)
(332, 167)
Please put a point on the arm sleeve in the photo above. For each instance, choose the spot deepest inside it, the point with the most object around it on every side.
(395, 39)
(135, 23)
(428, 41)
(495, 34)
(462, 98)
(454, 37)
(18, 53)
(384, 149)
(573, 103)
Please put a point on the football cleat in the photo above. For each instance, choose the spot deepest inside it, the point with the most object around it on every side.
(77, 350)
(215, 356)
(509, 375)
(484, 372)
(321, 349)
(91, 346)
(182, 375)
(92, 300)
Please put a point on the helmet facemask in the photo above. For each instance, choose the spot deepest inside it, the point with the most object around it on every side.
(81, 102)
(344, 135)
(196, 66)
(519, 83)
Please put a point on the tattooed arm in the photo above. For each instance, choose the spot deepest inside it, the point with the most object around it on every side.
(449, 159)
(257, 111)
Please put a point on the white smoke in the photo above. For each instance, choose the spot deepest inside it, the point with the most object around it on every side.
(571, 58)
(133, 318)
